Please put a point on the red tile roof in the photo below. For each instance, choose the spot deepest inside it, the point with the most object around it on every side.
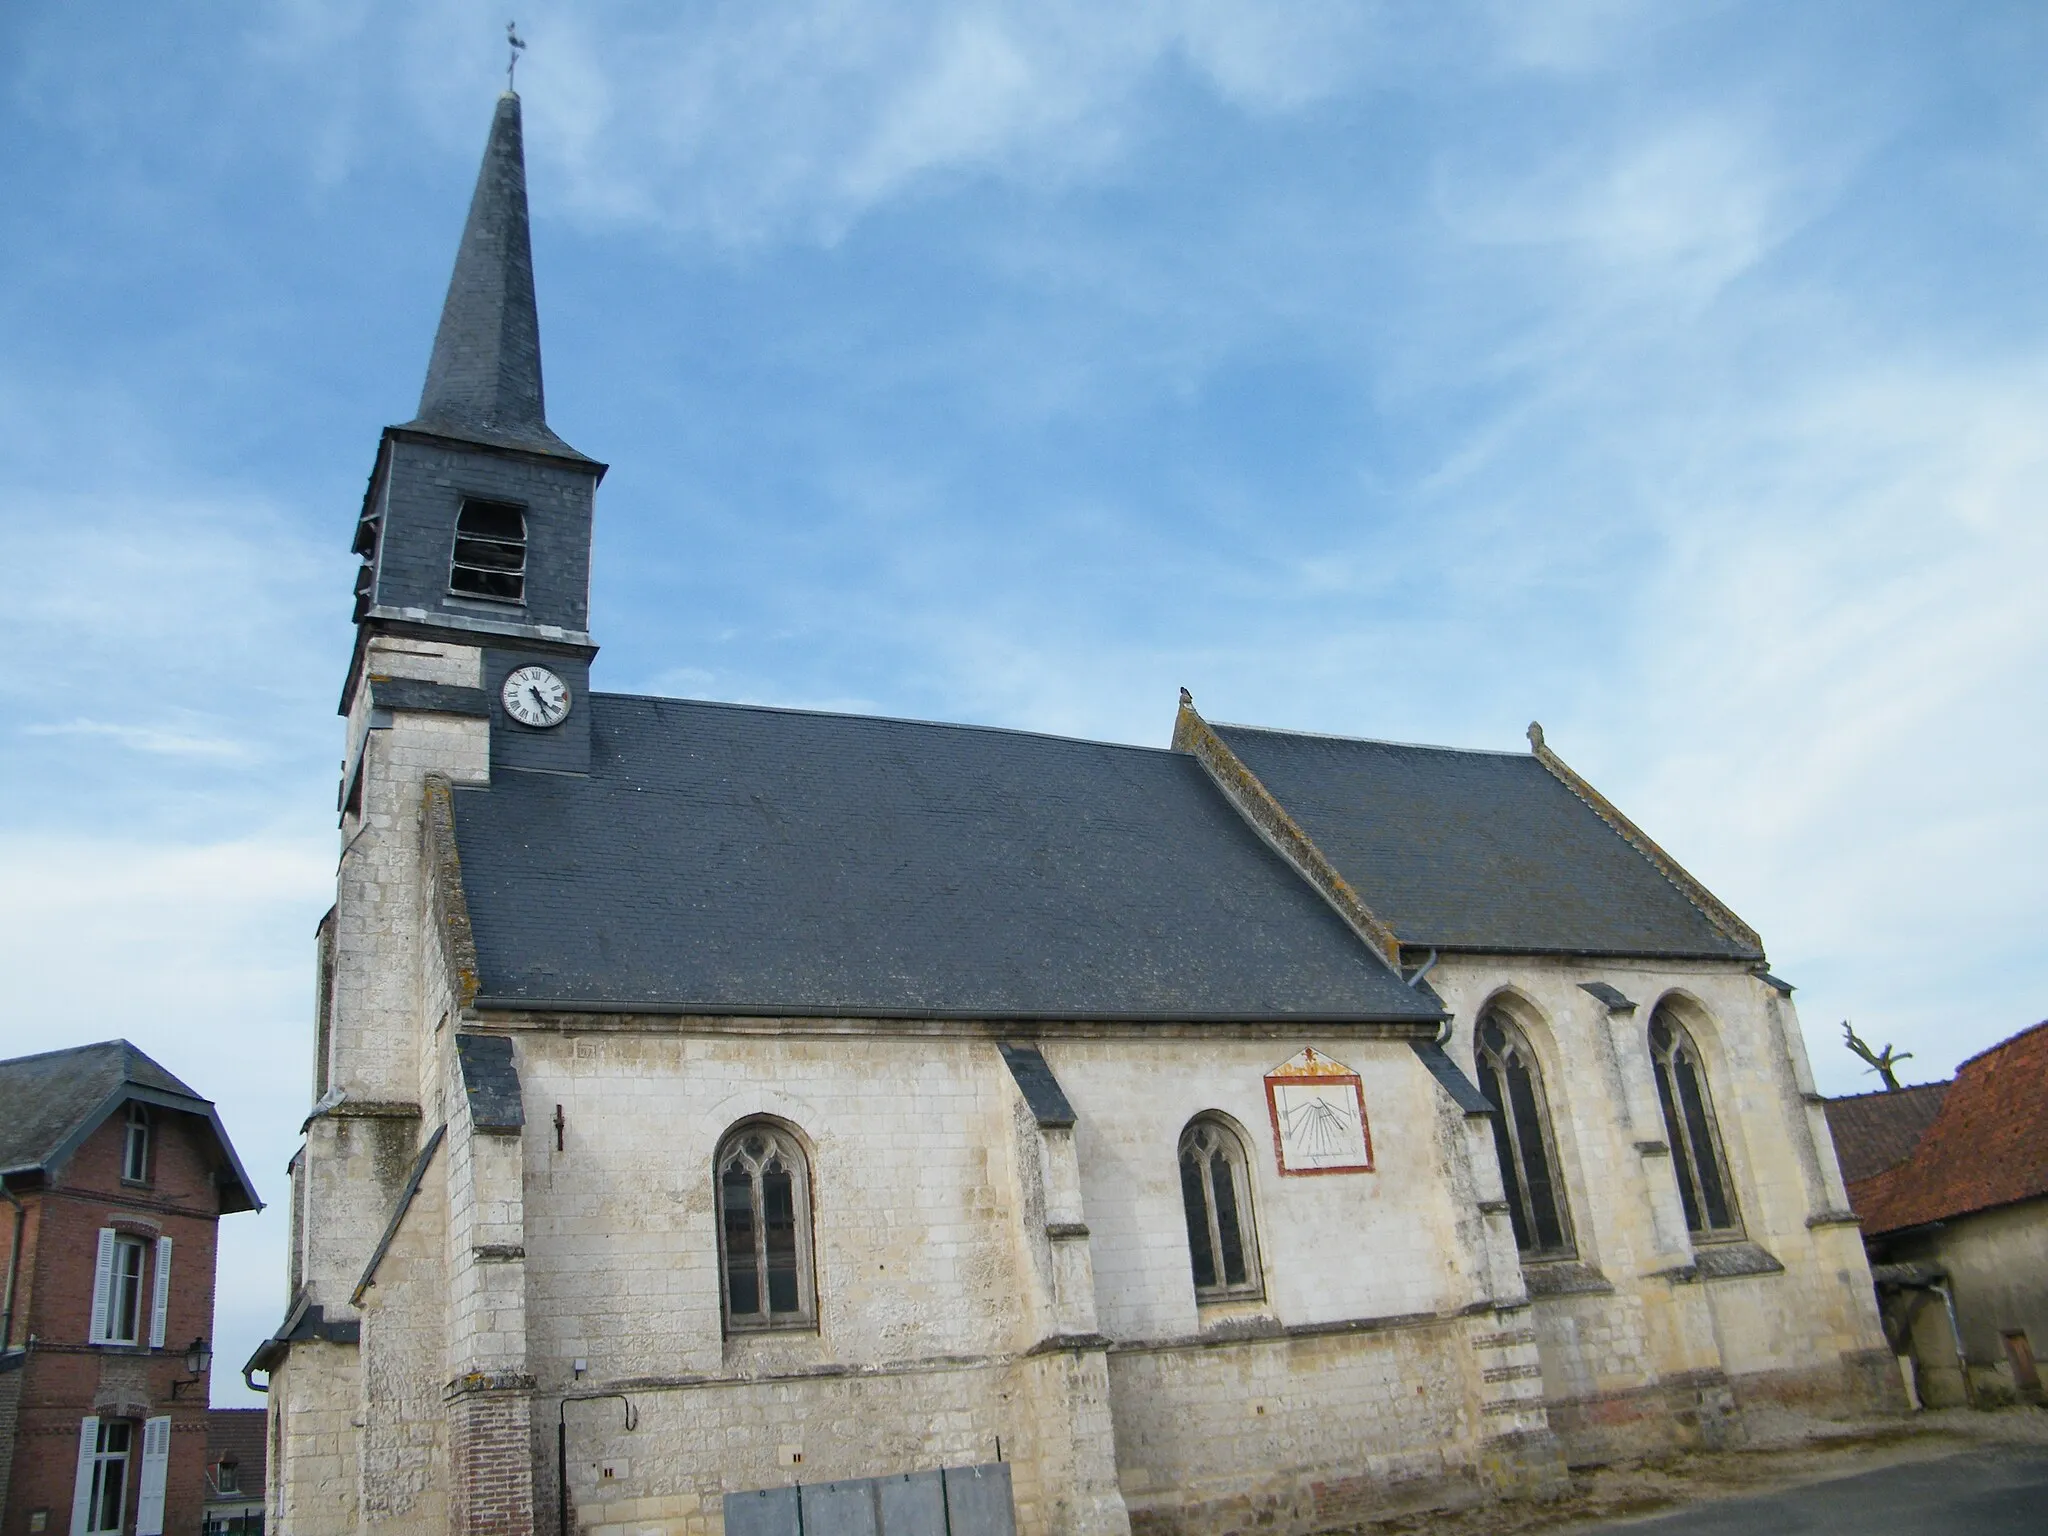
(1876, 1131)
(1988, 1145)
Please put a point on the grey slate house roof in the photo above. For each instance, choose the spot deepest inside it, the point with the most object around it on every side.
(1480, 851)
(50, 1103)
(734, 859)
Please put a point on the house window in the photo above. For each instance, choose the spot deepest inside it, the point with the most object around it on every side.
(1216, 1195)
(764, 1230)
(228, 1477)
(124, 1292)
(135, 1150)
(1689, 1125)
(107, 1494)
(1509, 1075)
(490, 552)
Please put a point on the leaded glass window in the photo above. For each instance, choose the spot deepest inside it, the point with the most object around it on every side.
(1215, 1191)
(1689, 1125)
(1510, 1077)
(764, 1230)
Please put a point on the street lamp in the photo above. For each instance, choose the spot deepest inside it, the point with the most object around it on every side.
(198, 1358)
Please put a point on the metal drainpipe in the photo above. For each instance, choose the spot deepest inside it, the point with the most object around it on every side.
(1955, 1332)
(13, 1266)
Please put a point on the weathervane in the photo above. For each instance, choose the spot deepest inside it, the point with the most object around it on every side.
(517, 46)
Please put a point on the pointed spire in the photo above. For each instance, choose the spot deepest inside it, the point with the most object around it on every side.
(483, 381)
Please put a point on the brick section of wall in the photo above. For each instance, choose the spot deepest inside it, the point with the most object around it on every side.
(10, 1419)
(490, 1443)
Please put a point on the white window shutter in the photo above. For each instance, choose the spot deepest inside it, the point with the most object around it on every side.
(156, 1465)
(88, 1442)
(102, 1287)
(160, 1313)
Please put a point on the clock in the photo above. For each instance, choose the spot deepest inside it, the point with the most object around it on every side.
(535, 696)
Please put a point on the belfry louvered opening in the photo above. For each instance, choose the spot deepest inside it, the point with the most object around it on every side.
(490, 552)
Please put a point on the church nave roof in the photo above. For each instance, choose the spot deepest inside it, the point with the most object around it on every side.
(743, 859)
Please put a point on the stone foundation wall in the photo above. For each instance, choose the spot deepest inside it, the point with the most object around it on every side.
(1302, 1433)
(698, 1441)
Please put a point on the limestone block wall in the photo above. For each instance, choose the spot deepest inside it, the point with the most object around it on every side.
(314, 1398)
(1654, 1358)
(377, 918)
(1332, 1247)
(403, 1371)
(374, 1035)
(352, 1168)
(926, 1187)
(910, 1146)
(1308, 1432)
(696, 1442)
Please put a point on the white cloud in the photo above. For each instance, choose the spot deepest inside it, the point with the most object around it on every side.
(754, 122)
(165, 741)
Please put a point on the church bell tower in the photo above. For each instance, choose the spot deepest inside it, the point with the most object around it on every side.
(471, 664)
(476, 526)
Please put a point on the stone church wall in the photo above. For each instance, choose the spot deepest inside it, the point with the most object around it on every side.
(1646, 1346)
(937, 1303)
(1332, 1247)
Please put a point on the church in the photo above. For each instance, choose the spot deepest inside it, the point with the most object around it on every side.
(1260, 1128)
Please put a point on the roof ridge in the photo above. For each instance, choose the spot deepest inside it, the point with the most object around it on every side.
(2009, 1040)
(1368, 741)
(1886, 1093)
(1263, 812)
(847, 714)
(66, 1050)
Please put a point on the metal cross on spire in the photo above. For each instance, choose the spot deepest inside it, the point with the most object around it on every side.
(517, 46)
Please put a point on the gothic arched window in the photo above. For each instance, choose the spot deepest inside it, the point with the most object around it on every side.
(1689, 1125)
(1509, 1075)
(1216, 1194)
(764, 1229)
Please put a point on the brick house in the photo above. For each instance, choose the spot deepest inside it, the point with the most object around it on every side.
(1951, 1182)
(115, 1175)
(1252, 1128)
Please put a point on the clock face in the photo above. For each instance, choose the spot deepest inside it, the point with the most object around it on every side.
(535, 696)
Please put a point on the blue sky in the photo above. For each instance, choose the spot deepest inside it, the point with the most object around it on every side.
(1675, 374)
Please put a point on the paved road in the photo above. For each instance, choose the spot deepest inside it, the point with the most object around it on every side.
(1981, 1493)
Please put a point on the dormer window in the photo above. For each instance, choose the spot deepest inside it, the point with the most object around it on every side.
(135, 1150)
(490, 552)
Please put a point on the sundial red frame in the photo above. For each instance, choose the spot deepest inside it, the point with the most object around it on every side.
(1318, 1071)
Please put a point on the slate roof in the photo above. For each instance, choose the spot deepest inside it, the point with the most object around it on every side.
(1482, 851)
(237, 1434)
(1987, 1146)
(1876, 1131)
(484, 379)
(51, 1102)
(736, 859)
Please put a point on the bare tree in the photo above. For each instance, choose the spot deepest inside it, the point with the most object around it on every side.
(1881, 1062)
